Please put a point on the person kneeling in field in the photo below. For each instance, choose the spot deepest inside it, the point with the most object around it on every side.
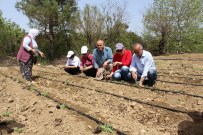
(73, 63)
(121, 63)
(87, 63)
(102, 60)
(142, 66)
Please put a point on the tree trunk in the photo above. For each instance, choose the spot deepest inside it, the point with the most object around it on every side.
(162, 43)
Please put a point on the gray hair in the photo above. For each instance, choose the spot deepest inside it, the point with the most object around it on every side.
(138, 44)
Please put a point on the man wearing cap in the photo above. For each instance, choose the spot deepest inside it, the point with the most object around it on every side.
(121, 63)
(87, 63)
(73, 64)
(102, 59)
(142, 66)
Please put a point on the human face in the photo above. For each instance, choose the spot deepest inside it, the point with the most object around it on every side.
(100, 45)
(120, 52)
(138, 51)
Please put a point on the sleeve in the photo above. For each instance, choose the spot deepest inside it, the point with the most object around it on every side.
(110, 55)
(133, 66)
(127, 59)
(148, 64)
(82, 61)
(26, 43)
(67, 63)
(114, 67)
(77, 62)
(92, 60)
(95, 60)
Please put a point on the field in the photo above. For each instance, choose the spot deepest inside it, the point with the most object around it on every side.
(61, 104)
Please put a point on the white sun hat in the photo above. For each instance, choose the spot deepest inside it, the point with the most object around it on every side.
(70, 53)
(84, 50)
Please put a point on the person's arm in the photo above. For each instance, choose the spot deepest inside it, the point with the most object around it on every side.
(147, 66)
(26, 45)
(95, 60)
(133, 69)
(110, 56)
(70, 66)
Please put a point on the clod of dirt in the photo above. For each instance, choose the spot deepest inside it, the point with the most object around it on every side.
(90, 127)
(97, 130)
(10, 130)
(58, 106)
(10, 100)
(57, 122)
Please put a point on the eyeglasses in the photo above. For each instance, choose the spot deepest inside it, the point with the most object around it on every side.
(136, 52)
(119, 50)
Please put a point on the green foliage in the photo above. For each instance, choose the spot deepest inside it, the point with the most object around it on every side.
(106, 128)
(63, 106)
(174, 26)
(45, 94)
(6, 114)
(56, 20)
(20, 130)
(10, 36)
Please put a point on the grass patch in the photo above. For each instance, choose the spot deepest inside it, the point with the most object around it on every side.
(6, 114)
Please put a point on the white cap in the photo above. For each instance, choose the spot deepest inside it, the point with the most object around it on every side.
(84, 50)
(70, 53)
(119, 46)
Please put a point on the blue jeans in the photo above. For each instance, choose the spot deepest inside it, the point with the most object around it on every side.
(152, 77)
(122, 73)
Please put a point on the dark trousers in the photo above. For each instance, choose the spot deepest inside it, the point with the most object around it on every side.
(91, 72)
(72, 71)
(152, 77)
(26, 69)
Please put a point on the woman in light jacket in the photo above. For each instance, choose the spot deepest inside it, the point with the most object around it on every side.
(27, 54)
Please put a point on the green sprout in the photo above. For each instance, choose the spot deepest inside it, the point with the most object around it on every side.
(45, 94)
(106, 128)
(19, 130)
(6, 114)
(63, 106)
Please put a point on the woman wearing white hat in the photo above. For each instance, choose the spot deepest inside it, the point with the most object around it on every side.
(87, 63)
(73, 64)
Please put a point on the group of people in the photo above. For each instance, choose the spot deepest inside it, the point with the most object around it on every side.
(101, 64)
(122, 65)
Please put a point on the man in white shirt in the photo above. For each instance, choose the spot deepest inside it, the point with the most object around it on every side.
(142, 66)
(73, 64)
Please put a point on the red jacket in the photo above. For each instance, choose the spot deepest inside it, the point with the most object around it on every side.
(125, 59)
(87, 60)
(23, 55)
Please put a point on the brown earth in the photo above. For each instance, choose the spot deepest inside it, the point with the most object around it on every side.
(31, 114)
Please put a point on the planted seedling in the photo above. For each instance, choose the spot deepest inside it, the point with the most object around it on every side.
(105, 128)
(6, 114)
(45, 94)
(63, 106)
(19, 130)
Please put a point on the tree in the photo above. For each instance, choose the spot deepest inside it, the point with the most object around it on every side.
(10, 36)
(173, 22)
(52, 17)
(158, 22)
(92, 24)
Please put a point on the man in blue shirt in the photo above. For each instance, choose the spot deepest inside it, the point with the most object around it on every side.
(142, 66)
(102, 59)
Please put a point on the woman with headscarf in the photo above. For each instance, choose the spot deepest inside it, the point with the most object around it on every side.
(27, 54)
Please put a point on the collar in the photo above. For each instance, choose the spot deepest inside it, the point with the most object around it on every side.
(144, 53)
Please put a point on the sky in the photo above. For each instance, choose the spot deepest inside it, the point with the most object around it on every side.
(134, 12)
